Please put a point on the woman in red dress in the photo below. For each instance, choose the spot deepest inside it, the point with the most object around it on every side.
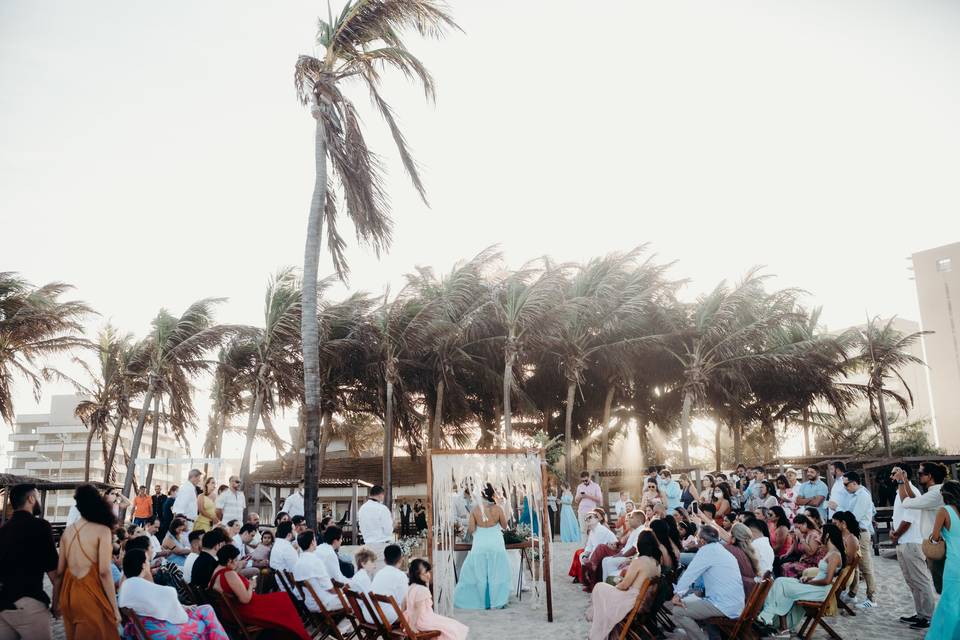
(272, 611)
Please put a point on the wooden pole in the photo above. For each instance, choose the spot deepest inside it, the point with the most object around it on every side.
(256, 498)
(354, 507)
(545, 539)
(429, 505)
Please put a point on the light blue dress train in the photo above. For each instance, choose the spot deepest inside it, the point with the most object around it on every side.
(946, 619)
(569, 525)
(485, 580)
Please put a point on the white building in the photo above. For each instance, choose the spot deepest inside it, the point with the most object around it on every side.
(52, 446)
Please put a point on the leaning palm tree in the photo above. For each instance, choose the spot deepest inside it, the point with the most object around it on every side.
(174, 351)
(359, 43)
(34, 324)
(884, 350)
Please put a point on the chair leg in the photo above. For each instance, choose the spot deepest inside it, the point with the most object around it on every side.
(843, 605)
(803, 627)
(833, 634)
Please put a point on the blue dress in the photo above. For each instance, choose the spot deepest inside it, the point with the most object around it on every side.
(946, 619)
(525, 518)
(485, 579)
(569, 525)
(781, 601)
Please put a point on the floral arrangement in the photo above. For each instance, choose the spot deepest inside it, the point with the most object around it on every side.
(411, 545)
(520, 533)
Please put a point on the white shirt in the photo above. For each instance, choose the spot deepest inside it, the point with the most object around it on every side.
(153, 600)
(927, 504)
(331, 562)
(309, 568)
(902, 514)
(360, 582)
(188, 566)
(293, 505)
(186, 502)
(283, 557)
(764, 554)
(232, 505)
(632, 541)
(155, 544)
(620, 507)
(238, 543)
(390, 581)
(600, 535)
(840, 495)
(375, 522)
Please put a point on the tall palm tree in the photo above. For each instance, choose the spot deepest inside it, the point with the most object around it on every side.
(175, 350)
(359, 43)
(884, 350)
(274, 354)
(34, 324)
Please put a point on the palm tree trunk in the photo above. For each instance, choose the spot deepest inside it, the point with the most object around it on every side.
(716, 445)
(568, 432)
(388, 445)
(86, 455)
(253, 420)
(510, 355)
(309, 329)
(137, 437)
(806, 431)
(737, 442)
(437, 417)
(154, 439)
(884, 428)
(108, 459)
(605, 433)
(685, 426)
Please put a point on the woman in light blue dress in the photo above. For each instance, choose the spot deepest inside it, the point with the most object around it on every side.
(569, 525)
(786, 591)
(485, 579)
(946, 619)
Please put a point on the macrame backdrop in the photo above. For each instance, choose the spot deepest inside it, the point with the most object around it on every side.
(517, 475)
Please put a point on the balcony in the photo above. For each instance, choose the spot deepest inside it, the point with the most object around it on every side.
(63, 429)
(24, 437)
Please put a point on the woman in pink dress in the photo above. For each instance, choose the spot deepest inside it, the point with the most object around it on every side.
(418, 605)
(610, 604)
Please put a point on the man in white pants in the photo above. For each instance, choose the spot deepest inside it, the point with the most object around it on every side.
(375, 523)
(906, 535)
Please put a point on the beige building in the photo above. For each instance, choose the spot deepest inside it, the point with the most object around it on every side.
(937, 276)
(52, 446)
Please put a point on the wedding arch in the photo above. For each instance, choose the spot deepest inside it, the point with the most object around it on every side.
(520, 476)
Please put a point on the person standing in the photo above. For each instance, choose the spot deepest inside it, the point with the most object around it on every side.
(930, 476)
(405, 513)
(838, 494)
(142, 507)
(553, 511)
(946, 527)
(166, 509)
(375, 522)
(27, 552)
(293, 505)
(813, 493)
(231, 503)
(185, 504)
(860, 504)
(158, 499)
(589, 496)
(671, 488)
(906, 535)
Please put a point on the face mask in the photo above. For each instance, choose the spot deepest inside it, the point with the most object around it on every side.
(718, 494)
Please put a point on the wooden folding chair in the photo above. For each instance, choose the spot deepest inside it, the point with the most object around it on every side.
(403, 630)
(348, 611)
(228, 616)
(841, 604)
(370, 622)
(816, 610)
(326, 620)
(742, 627)
(635, 623)
(129, 617)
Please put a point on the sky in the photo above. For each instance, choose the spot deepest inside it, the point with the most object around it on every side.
(154, 154)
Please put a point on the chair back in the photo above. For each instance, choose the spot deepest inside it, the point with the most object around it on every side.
(227, 614)
(841, 579)
(377, 624)
(644, 604)
(324, 618)
(753, 605)
(130, 617)
(381, 602)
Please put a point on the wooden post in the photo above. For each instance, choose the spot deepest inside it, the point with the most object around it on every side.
(545, 539)
(698, 479)
(256, 499)
(276, 502)
(354, 507)
(429, 505)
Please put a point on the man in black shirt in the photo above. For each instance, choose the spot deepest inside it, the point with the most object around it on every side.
(26, 553)
(206, 562)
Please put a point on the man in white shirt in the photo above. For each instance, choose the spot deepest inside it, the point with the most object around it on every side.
(186, 502)
(391, 581)
(838, 493)
(860, 504)
(254, 519)
(153, 526)
(309, 568)
(231, 503)
(930, 476)
(375, 522)
(293, 505)
(620, 506)
(327, 552)
(761, 544)
(612, 564)
(194, 538)
(283, 557)
(906, 535)
(597, 534)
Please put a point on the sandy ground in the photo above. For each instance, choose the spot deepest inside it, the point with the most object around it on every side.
(527, 620)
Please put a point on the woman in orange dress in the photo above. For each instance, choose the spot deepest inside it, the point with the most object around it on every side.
(88, 599)
(273, 611)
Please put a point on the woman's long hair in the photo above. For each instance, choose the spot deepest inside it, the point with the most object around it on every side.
(781, 515)
(674, 532)
(725, 490)
(662, 530)
(743, 540)
(848, 519)
(93, 507)
(488, 493)
(813, 514)
(647, 545)
(413, 574)
(951, 493)
(832, 533)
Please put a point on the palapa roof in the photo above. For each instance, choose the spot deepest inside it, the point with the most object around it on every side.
(341, 472)
(10, 479)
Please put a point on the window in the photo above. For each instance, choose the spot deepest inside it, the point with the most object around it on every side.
(944, 265)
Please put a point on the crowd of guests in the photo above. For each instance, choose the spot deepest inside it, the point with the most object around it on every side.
(707, 548)
(102, 567)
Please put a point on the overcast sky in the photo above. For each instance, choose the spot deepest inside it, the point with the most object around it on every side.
(153, 154)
